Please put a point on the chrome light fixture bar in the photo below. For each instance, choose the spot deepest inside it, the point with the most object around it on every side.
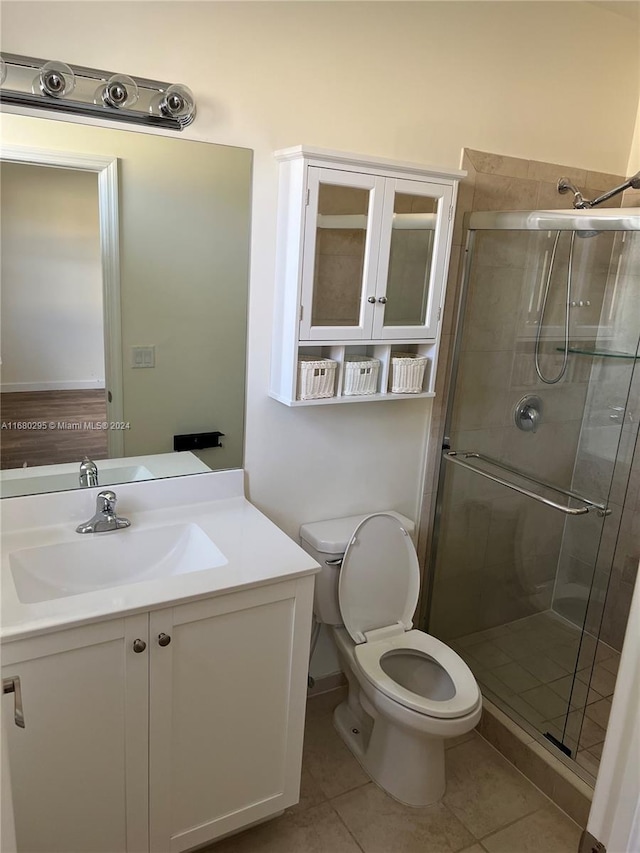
(75, 89)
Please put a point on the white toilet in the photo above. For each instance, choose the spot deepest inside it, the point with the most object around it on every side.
(407, 690)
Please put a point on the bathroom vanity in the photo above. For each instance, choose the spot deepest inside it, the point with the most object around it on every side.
(163, 713)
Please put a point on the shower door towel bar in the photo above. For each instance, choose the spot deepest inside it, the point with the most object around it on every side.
(460, 457)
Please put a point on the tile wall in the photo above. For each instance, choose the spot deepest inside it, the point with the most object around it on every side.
(488, 528)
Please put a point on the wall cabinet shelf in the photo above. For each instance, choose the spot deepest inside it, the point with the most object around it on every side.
(362, 259)
(133, 743)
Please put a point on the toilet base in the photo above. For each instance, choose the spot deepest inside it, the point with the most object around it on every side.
(409, 766)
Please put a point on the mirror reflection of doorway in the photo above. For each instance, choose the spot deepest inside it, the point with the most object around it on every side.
(52, 391)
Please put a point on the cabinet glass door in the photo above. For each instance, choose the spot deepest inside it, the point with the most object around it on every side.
(342, 230)
(412, 258)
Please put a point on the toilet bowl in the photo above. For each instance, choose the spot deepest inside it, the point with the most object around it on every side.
(408, 691)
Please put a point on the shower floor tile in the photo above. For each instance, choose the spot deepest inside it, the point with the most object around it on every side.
(516, 678)
(575, 690)
(529, 665)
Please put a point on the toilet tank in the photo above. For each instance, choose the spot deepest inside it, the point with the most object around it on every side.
(327, 541)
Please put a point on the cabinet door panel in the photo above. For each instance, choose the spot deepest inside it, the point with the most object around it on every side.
(341, 237)
(220, 733)
(412, 263)
(69, 765)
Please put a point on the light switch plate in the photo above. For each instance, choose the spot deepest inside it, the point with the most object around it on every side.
(143, 356)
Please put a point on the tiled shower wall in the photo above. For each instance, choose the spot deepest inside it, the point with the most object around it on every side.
(501, 183)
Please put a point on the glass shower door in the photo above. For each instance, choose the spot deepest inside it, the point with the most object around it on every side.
(526, 513)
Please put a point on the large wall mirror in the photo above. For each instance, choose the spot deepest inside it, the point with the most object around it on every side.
(124, 303)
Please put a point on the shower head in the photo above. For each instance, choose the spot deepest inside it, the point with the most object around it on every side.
(564, 185)
(579, 202)
(582, 203)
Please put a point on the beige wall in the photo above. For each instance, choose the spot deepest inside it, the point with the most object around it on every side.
(414, 81)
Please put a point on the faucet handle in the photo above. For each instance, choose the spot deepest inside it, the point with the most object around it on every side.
(105, 518)
(106, 502)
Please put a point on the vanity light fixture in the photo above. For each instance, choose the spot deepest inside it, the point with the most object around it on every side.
(58, 87)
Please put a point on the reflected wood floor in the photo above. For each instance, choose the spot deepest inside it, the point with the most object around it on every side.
(49, 446)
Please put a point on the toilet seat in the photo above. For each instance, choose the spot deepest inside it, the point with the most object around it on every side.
(380, 577)
(378, 593)
(369, 655)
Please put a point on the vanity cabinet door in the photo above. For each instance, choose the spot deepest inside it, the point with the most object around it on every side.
(227, 698)
(79, 766)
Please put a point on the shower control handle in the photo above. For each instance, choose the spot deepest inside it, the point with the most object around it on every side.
(528, 413)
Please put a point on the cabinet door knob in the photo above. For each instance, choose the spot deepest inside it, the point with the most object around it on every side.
(371, 299)
(164, 639)
(139, 646)
(382, 300)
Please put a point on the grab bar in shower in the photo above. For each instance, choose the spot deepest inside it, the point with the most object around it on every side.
(460, 457)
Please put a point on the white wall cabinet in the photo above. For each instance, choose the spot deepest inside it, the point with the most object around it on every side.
(194, 736)
(362, 260)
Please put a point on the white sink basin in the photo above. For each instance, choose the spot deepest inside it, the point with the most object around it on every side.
(103, 560)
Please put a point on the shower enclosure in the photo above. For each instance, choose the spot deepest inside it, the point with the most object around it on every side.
(535, 544)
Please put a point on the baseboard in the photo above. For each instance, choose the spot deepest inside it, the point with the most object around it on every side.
(57, 385)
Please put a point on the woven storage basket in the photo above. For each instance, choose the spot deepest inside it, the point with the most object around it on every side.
(316, 377)
(360, 375)
(407, 372)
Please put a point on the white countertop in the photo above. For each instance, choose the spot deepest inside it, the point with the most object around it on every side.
(257, 551)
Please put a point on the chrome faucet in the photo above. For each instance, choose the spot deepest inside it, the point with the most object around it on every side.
(105, 517)
(88, 473)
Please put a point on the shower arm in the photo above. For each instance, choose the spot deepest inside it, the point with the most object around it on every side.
(582, 203)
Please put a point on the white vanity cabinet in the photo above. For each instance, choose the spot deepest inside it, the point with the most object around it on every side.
(362, 259)
(161, 731)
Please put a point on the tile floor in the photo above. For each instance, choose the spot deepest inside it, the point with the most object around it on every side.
(529, 665)
(489, 807)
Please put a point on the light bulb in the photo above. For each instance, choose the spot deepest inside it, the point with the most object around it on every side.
(175, 102)
(56, 80)
(120, 92)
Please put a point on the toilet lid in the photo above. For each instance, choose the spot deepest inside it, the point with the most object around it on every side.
(380, 577)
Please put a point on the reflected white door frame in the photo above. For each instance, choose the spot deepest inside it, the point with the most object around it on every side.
(106, 169)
